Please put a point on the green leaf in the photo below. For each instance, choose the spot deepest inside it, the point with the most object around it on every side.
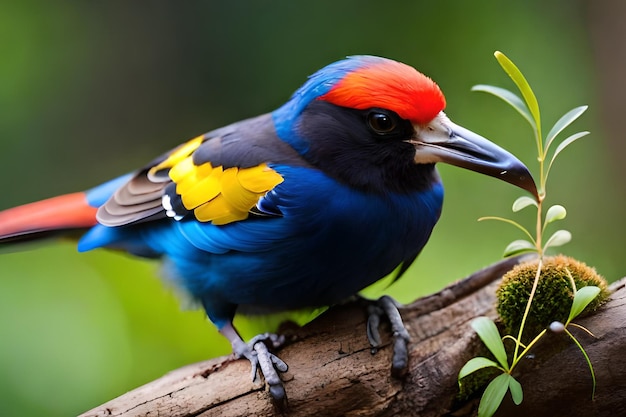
(493, 395)
(562, 123)
(523, 202)
(558, 238)
(582, 298)
(565, 144)
(516, 391)
(475, 364)
(524, 88)
(488, 333)
(511, 98)
(519, 246)
(556, 212)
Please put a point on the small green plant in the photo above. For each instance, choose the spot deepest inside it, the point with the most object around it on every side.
(577, 299)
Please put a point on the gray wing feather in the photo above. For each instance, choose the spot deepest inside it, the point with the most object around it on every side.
(244, 144)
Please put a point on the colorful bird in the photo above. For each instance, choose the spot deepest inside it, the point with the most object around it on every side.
(301, 207)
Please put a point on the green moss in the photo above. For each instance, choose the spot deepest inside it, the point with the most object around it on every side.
(553, 297)
(475, 382)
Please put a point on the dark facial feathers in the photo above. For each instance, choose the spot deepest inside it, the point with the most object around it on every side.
(342, 143)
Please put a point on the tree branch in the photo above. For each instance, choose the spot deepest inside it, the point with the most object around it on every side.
(333, 372)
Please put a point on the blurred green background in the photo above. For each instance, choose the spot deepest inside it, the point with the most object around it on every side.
(90, 90)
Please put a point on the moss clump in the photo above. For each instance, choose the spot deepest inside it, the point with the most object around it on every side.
(554, 295)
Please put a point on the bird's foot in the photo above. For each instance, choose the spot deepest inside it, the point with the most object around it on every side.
(257, 352)
(387, 306)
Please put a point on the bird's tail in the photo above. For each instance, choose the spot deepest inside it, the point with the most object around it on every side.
(55, 216)
(64, 215)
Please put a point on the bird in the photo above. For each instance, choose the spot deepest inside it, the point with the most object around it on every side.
(300, 207)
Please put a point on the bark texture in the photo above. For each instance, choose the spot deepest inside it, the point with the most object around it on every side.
(334, 373)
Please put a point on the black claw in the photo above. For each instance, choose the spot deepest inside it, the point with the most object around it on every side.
(388, 307)
(373, 321)
(278, 393)
(400, 359)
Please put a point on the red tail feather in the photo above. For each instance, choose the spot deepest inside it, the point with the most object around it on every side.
(65, 212)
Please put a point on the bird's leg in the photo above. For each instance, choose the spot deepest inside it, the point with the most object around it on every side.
(256, 351)
(387, 306)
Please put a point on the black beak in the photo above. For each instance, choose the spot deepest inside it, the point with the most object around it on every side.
(443, 141)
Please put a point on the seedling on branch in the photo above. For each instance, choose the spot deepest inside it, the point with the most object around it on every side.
(573, 287)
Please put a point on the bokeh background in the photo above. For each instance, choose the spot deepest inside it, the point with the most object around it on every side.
(90, 90)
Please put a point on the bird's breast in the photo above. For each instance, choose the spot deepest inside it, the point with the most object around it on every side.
(331, 242)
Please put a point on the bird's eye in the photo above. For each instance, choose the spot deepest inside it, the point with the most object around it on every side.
(381, 123)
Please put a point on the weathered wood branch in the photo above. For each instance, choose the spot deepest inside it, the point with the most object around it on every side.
(333, 372)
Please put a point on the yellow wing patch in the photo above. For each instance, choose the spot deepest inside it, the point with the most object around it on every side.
(179, 154)
(214, 194)
(220, 195)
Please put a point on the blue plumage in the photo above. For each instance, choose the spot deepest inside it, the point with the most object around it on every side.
(330, 242)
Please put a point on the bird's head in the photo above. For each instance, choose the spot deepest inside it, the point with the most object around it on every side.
(378, 124)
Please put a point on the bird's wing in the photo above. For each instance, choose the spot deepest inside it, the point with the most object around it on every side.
(218, 177)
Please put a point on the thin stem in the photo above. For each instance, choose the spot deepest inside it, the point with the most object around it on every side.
(571, 280)
(539, 228)
(514, 223)
(541, 157)
(526, 349)
(508, 336)
(528, 304)
(593, 374)
(583, 328)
